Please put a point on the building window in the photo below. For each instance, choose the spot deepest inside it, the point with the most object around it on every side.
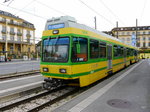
(4, 37)
(11, 48)
(28, 32)
(144, 38)
(29, 49)
(149, 44)
(128, 39)
(122, 33)
(123, 39)
(144, 32)
(144, 45)
(18, 30)
(138, 38)
(12, 38)
(128, 33)
(133, 33)
(3, 19)
(11, 29)
(149, 38)
(3, 30)
(19, 39)
(3, 47)
(138, 44)
(11, 21)
(19, 49)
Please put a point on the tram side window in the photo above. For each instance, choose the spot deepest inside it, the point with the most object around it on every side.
(79, 49)
(94, 48)
(115, 51)
(124, 51)
(135, 52)
(128, 52)
(131, 52)
(102, 46)
(120, 51)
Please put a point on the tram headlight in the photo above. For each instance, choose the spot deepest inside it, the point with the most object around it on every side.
(55, 31)
(62, 70)
(45, 70)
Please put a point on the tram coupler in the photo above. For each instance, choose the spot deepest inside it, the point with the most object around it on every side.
(51, 83)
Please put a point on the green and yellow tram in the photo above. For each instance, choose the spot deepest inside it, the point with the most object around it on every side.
(78, 55)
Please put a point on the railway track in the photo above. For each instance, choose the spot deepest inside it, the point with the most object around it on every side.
(39, 101)
(21, 74)
(44, 98)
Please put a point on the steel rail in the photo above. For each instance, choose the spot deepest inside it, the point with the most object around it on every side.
(15, 104)
(8, 76)
(50, 102)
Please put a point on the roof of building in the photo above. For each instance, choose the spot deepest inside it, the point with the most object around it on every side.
(16, 17)
(8, 14)
(131, 28)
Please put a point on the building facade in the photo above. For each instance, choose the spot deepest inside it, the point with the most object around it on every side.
(126, 34)
(17, 36)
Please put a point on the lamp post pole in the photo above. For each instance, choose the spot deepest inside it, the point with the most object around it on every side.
(117, 28)
(6, 43)
(95, 22)
(136, 32)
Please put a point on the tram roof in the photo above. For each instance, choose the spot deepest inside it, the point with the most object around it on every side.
(67, 21)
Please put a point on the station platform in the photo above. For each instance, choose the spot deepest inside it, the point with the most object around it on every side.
(126, 91)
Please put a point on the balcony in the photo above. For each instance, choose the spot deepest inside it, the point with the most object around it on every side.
(28, 35)
(12, 23)
(2, 21)
(12, 38)
(12, 33)
(19, 34)
(28, 40)
(3, 31)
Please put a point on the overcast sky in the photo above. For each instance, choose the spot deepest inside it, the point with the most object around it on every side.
(107, 12)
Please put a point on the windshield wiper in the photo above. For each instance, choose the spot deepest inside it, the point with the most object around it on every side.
(57, 38)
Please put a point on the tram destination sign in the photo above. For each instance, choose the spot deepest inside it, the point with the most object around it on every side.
(56, 26)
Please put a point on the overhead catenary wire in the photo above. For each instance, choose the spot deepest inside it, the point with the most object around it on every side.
(111, 12)
(97, 13)
(6, 1)
(24, 11)
(21, 10)
(25, 7)
(143, 9)
(51, 8)
(10, 2)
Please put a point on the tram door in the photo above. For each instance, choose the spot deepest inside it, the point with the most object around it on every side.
(109, 56)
